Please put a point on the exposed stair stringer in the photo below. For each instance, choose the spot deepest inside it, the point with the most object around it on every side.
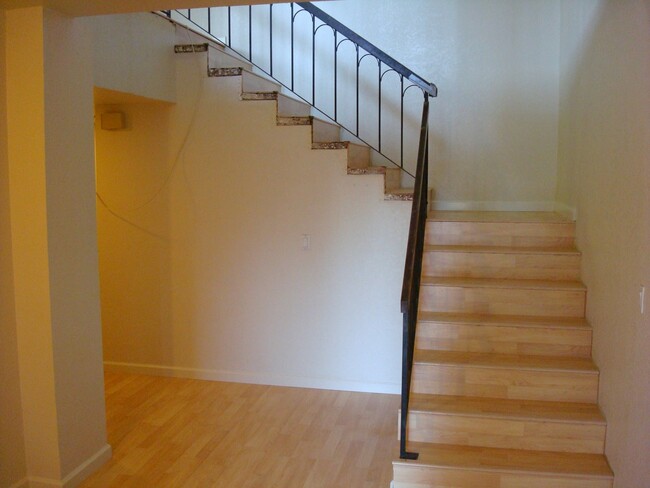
(325, 135)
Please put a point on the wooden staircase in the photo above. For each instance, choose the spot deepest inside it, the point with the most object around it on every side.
(504, 391)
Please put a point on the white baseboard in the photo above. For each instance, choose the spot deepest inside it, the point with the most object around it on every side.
(88, 467)
(494, 206)
(564, 209)
(74, 479)
(252, 378)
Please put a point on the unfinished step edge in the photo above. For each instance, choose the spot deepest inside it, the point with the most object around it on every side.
(191, 48)
(224, 72)
(262, 95)
(290, 120)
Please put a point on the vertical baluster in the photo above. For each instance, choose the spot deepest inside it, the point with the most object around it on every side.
(379, 108)
(250, 33)
(401, 124)
(336, 79)
(292, 52)
(313, 60)
(210, 20)
(357, 132)
(271, 39)
(229, 27)
(189, 14)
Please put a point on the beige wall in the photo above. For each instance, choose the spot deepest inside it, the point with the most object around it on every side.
(605, 175)
(12, 446)
(202, 269)
(53, 243)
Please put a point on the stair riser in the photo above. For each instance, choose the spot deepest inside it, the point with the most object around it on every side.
(358, 156)
(506, 433)
(516, 384)
(504, 340)
(507, 266)
(434, 477)
(324, 132)
(502, 301)
(500, 234)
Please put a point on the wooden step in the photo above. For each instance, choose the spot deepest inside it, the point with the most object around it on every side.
(503, 297)
(503, 423)
(502, 262)
(448, 466)
(517, 377)
(542, 336)
(507, 229)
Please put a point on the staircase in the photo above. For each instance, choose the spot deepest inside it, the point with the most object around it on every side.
(504, 391)
(291, 112)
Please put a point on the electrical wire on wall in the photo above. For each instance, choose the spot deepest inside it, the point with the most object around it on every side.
(178, 158)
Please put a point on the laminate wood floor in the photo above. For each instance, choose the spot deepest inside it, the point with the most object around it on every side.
(171, 432)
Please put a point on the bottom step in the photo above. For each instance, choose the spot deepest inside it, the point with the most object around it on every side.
(446, 466)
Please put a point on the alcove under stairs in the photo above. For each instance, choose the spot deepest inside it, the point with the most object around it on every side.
(504, 391)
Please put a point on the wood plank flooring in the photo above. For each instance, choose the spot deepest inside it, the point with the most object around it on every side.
(171, 432)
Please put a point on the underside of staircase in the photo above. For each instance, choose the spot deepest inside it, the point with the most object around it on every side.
(504, 391)
(290, 111)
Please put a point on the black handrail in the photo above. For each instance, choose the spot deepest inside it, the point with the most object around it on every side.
(413, 272)
(370, 48)
(363, 49)
(413, 265)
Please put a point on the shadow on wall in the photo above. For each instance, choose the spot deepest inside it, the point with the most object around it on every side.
(604, 170)
(133, 230)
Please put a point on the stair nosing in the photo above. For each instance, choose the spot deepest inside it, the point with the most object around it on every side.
(504, 283)
(505, 469)
(471, 249)
(522, 321)
(488, 218)
(518, 416)
(475, 362)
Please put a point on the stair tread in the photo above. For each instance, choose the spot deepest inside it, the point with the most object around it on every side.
(502, 249)
(505, 320)
(570, 285)
(500, 217)
(534, 410)
(505, 361)
(508, 460)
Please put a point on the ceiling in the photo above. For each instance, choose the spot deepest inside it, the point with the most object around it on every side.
(78, 8)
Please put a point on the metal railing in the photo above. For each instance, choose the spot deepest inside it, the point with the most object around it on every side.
(266, 60)
(322, 71)
(413, 272)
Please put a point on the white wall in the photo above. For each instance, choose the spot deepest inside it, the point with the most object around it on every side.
(131, 55)
(605, 175)
(494, 126)
(202, 270)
